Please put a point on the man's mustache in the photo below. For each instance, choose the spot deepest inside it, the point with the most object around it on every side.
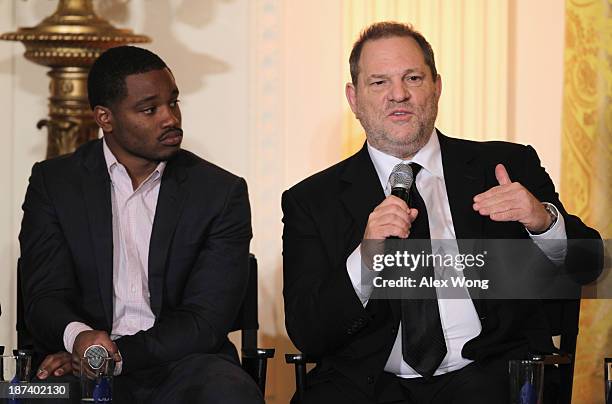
(399, 105)
(171, 131)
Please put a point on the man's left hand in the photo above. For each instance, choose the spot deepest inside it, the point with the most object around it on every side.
(510, 201)
(57, 364)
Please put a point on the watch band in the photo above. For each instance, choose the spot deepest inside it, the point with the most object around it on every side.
(554, 216)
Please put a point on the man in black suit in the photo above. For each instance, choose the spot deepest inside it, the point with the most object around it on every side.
(381, 350)
(141, 247)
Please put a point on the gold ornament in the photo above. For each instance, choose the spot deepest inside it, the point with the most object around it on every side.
(68, 41)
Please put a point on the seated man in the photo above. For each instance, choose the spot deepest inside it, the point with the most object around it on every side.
(141, 247)
(425, 350)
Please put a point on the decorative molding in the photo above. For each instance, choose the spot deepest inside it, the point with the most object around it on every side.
(266, 143)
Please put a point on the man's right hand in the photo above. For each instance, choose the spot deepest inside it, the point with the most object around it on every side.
(391, 218)
(84, 340)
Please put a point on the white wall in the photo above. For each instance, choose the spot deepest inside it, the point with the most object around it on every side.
(7, 213)
(23, 102)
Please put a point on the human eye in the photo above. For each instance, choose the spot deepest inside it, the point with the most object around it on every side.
(377, 83)
(414, 79)
(149, 110)
(174, 103)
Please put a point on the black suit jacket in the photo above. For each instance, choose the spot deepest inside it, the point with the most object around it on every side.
(198, 255)
(324, 221)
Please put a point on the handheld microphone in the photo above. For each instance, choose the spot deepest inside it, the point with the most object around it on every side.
(401, 180)
(102, 389)
(95, 355)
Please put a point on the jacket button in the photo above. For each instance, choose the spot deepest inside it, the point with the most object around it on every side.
(370, 380)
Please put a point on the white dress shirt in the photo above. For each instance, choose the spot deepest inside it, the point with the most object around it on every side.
(460, 322)
(133, 215)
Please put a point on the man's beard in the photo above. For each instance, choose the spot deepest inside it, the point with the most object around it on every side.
(401, 147)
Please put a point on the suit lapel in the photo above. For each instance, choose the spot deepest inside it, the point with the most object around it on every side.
(464, 175)
(97, 194)
(169, 207)
(361, 193)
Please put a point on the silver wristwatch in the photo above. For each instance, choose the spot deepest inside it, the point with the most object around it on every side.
(554, 216)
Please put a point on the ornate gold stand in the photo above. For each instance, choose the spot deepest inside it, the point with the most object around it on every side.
(69, 41)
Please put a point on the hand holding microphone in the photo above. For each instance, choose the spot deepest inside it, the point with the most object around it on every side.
(393, 217)
(98, 372)
(93, 345)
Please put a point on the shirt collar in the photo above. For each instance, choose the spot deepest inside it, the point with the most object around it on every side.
(429, 157)
(112, 163)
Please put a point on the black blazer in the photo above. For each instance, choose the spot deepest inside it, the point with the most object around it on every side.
(198, 255)
(324, 221)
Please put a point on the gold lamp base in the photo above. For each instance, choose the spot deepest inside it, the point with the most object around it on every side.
(69, 41)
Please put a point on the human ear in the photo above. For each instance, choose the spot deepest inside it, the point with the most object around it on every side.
(104, 118)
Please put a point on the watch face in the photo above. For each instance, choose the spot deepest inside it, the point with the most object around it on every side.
(96, 354)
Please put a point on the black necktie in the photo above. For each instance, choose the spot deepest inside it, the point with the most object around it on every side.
(423, 345)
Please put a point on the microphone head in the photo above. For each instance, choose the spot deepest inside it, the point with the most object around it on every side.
(401, 176)
(95, 355)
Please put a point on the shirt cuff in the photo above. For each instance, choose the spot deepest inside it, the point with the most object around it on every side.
(71, 331)
(118, 366)
(553, 242)
(361, 277)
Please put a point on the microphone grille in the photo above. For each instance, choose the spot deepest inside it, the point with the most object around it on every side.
(95, 355)
(401, 176)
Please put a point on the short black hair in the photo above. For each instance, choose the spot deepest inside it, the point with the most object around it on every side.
(106, 80)
(389, 29)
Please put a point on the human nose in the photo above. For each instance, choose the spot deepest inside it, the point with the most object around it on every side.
(399, 91)
(172, 117)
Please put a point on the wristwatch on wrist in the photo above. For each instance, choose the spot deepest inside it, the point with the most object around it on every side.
(554, 216)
